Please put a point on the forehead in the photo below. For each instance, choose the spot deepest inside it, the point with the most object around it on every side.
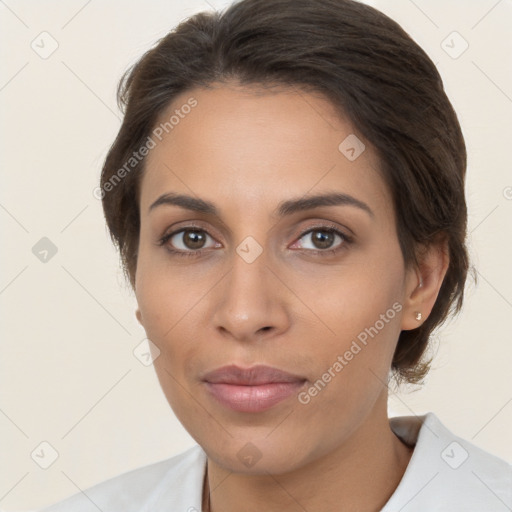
(252, 148)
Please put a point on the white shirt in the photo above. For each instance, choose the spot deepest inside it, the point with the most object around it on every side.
(445, 474)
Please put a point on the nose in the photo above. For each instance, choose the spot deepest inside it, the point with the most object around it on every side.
(250, 302)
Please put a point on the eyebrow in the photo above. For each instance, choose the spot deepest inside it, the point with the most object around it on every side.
(285, 208)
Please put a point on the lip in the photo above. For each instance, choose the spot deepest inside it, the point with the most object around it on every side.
(253, 389)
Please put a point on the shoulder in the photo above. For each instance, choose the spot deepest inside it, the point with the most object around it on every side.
(171, 484)
(447, 473)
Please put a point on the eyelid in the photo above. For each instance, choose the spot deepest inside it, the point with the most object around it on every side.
(190, 225)
(328, 227)
(164, 239)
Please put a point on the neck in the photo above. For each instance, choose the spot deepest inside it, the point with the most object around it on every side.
(361, 475)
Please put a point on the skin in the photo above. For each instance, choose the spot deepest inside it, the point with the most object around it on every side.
(293, 308)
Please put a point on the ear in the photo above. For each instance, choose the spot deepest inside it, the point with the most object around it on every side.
(139, 316)
(423, 283)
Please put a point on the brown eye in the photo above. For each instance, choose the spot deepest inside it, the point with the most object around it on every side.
(189, 240)
(322, 239)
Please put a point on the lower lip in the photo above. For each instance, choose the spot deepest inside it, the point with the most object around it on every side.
(253, 398)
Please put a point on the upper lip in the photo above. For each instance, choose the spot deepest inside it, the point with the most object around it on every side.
(253, 376)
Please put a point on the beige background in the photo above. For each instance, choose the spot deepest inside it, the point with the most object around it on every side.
(68, 373)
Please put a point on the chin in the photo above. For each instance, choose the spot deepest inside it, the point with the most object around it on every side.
(258, 454)
(250, 460)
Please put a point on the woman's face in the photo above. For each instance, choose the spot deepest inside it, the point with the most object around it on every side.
(287, 257)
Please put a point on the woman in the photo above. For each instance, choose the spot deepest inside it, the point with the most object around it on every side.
(287, 195)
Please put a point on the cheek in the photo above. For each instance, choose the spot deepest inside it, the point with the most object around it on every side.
(352, 297)
(172, 304)
(360, 310)
(351, 366)
(166, 304)
(165, 294)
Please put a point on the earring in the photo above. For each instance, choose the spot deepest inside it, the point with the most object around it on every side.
(418, 316)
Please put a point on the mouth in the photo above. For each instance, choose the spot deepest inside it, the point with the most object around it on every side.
(254, 389)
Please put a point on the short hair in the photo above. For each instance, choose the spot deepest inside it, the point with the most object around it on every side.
(368, 67)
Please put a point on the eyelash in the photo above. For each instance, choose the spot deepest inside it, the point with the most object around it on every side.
(346, 240)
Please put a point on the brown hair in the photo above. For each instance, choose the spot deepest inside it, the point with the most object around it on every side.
(368, 67)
